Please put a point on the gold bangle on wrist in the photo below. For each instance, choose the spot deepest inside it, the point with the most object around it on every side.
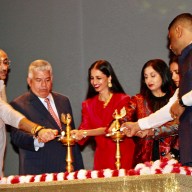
(39, 128)
(84, 134)
(35, 130)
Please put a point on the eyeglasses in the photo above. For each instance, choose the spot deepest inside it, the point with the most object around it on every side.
(5, 62)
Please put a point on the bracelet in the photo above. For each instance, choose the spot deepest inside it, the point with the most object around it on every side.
(35, 130)
(84, 134)
(39, 128)
(181, 103)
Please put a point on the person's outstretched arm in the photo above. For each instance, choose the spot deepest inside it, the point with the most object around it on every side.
(12, 117)
(154, 120)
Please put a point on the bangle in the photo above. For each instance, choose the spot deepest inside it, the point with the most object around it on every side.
(39, 128)
(181, 103)
(35, 130)
(84, 134)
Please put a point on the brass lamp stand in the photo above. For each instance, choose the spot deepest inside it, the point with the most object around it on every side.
(67, 140)
(117, 135)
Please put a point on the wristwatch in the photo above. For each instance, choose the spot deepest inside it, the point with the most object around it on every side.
(181, 103)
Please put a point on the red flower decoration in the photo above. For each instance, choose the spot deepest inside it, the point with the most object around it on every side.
(43, 176)
(158, 171)
(65, 175)
(55, 176)
(132, 172)
(175, 170)
(188, 172)
(100, 173)
(15, 180)
(75, 175)
(163, 164)
(88, 174)
(32, 178)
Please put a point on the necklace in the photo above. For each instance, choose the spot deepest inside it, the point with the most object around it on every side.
(107, 101)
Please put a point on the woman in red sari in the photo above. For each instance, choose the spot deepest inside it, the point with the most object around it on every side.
(156, 89)
(104, 96)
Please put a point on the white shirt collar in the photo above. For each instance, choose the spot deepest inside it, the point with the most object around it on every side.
(50, 97)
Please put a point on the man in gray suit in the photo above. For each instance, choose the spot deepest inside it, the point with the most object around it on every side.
(36, 157)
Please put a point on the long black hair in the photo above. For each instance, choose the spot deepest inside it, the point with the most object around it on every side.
(167, 86)
(106, 68)
(173, 58)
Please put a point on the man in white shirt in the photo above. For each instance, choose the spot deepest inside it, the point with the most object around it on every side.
(10, 116)
(180, 105)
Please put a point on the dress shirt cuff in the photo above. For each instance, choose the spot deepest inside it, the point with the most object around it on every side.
(153, 121)
(37, 144)
(160, 117)
(187, 99)
(144, 123)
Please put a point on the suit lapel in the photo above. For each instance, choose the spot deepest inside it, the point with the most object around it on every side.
(36, 103)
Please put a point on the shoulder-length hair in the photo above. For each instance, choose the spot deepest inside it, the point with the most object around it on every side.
(160, 67)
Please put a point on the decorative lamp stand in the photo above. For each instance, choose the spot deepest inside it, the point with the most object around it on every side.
(67, 140)
(117, 135)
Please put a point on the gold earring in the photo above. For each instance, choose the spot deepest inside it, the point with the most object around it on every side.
(109, 84)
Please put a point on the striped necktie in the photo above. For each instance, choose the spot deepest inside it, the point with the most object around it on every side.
(51, 111)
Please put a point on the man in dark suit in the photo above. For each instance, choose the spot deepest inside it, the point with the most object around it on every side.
(12, 117)
(36, 157)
